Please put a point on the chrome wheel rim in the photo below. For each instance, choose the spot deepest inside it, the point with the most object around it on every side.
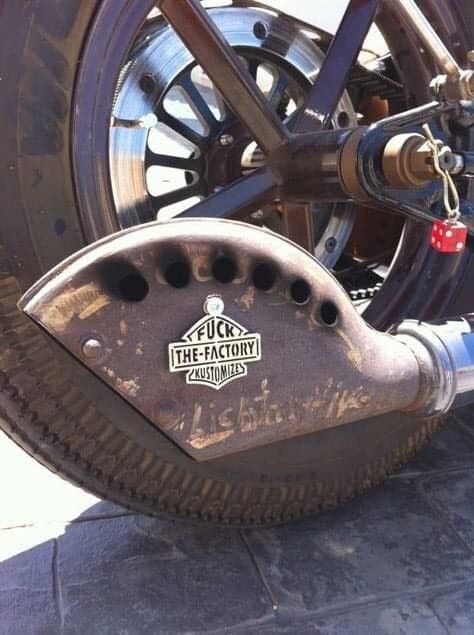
(185, 140)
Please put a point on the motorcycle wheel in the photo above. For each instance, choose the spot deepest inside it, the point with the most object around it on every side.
(55, 171)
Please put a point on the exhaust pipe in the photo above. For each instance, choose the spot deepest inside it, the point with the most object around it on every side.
(445, 355)
(226, 337)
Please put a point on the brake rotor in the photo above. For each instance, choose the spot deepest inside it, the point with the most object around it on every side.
(198, 146)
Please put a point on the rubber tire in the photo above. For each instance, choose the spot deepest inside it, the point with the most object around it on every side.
(42, 405)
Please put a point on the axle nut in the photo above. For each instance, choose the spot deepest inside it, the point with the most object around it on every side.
(407, 161)
(226, 140)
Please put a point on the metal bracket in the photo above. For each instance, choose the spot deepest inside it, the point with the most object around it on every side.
(118, 305)
(277, 350)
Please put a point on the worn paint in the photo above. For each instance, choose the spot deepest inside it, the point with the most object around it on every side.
(129, 387)
(217, 437)
(295, 390)
(354, 354)
(98, 304)
(247, 299)
(123, 328)
(82, 302)
(262, 412)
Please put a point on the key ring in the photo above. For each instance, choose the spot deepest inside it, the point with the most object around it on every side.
(451, 198)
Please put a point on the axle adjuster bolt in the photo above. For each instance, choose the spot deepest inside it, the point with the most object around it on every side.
(92, 348)
(226, 140)
(331, 244)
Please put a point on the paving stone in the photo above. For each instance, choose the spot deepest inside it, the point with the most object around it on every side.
(466, 416)
(410, 617)
(386, 542)
(117, 578)
(39, 496)
(456, 610)
(453, 494)
(27, 603)
(400, 617)
(135, 575)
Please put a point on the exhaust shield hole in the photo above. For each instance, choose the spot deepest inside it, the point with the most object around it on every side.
(178, 274)
(329, 313)
(264, 277)
(300, 291)
(224, 270)
(133, 287)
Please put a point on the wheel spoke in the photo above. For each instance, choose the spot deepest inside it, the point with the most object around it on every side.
(299, 225)
(176, 196)
(198, 101)
(278, 91)
(342, 54)
(167, 161)
(253, 65)
(238, 199)
(223, 66)
(181, 128)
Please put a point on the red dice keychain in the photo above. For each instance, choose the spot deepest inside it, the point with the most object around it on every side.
(449, 236)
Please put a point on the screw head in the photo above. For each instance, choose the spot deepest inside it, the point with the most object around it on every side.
(92, 348)
(214, 305)
(226, 140)
(147, 83)
(331, 244)
(260, 30)
(167, 413)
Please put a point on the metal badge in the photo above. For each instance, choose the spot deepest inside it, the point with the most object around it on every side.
(216, 350)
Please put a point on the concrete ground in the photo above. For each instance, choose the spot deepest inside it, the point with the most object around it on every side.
(398, 560)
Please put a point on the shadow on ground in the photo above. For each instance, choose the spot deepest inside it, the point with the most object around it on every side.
(399, 560)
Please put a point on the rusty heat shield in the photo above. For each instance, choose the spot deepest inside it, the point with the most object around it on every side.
(224, 336)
